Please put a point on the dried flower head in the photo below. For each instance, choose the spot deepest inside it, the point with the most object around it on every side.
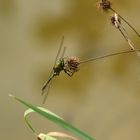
(71, 64)
(105, 5)
(115, 20)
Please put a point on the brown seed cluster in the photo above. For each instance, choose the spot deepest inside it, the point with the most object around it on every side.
(71, 64)
(105, 5)
(115, 20)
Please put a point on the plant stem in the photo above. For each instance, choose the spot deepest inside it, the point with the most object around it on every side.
(108, 55)
(125, 22)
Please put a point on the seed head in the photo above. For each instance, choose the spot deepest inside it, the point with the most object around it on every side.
(115, 20)
(71, 64)
(105, 5)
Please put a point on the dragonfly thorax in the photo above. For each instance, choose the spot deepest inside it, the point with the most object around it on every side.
(59, 66)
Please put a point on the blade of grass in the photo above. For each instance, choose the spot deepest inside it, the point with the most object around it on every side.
(27, 122)
(41, 136)
(56, 119)
(28, 111)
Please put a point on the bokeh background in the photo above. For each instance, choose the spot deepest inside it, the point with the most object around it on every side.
(102, 98)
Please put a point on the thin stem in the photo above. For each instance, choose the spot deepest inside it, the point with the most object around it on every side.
(115, 20)
(125, 22)
(127, 39)
(108, 55)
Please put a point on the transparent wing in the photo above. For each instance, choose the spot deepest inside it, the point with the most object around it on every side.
(46, 84)
(46, 87)
(63, 52)
(52, 72)
(59, 50)
(46, 91)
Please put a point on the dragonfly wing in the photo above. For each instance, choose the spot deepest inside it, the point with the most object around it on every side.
(59, 50)
(46, 91)
(47, 82)
(63, 52)
(46, 86)
(57, 56)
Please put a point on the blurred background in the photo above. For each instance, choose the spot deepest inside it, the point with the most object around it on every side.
(102, 98)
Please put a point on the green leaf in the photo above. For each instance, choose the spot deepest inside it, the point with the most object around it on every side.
(56, 119)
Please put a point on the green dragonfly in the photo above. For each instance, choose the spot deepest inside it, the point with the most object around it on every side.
(67, 64)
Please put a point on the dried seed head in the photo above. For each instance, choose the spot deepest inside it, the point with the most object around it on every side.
(71, 64)
(105, 5)
(115, 20)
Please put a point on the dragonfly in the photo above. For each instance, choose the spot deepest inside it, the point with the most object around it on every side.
(69, 65)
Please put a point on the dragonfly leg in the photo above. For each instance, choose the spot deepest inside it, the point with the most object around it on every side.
(69, 73)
